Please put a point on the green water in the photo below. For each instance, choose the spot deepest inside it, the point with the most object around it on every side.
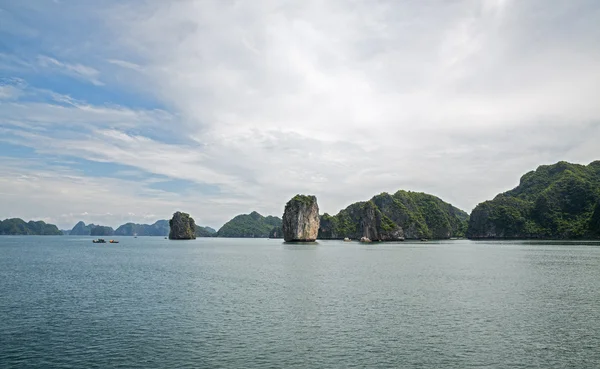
(256, 303)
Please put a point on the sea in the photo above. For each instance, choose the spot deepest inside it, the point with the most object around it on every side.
(148, 302)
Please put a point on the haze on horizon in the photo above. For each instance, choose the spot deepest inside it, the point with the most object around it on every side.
(114, 112)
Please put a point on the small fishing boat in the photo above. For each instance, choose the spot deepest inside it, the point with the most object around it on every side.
(99, 240)
(113, 241)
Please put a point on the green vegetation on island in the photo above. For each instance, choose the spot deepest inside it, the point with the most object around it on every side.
(559, 201)
(251, 225)
(102, 231)
(81, 229)
(159, 228)
(205, 232)
(403, 215)
(17, 226)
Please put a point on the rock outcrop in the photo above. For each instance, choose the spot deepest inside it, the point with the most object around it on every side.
(182, 227)
(301, 219)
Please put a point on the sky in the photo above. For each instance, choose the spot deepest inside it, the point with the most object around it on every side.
(116, 111)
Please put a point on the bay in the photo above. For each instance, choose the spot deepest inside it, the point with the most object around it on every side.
(148, 302)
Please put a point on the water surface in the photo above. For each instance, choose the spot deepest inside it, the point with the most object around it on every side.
(221, 303)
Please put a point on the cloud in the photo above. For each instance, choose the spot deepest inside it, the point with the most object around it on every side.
(76, 70)
(341, 99)
(125, 64)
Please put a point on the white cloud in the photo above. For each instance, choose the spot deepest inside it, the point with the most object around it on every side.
(340, 99)
(76, 70)
(125, 64)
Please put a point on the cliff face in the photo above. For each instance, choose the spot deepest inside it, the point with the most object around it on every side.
(182, 226)
(557, 201)
(301, 219)
(386, 217)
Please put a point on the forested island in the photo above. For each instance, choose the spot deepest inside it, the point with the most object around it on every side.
(403, 215)
(559, 201)
(17, 226)
(251, 225)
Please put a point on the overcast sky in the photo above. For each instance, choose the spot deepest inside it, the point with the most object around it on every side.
(112, 113)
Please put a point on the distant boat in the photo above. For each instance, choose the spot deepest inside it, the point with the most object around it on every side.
(99, 240)
(113, 241)
(424, 240)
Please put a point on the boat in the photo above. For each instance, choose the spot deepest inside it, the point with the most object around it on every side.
(113, 241)
(99, 240)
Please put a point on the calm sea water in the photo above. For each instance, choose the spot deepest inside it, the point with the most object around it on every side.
(241, 303)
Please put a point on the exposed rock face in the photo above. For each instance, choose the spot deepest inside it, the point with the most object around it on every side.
(182, 226)
(301, 219)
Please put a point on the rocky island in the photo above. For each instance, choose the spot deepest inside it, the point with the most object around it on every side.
(301, 219)
(182, 227)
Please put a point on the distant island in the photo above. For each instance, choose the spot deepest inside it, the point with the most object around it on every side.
(251, 225)
(158, 228)
(559, 201)
(81, 229)
(17, 226)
